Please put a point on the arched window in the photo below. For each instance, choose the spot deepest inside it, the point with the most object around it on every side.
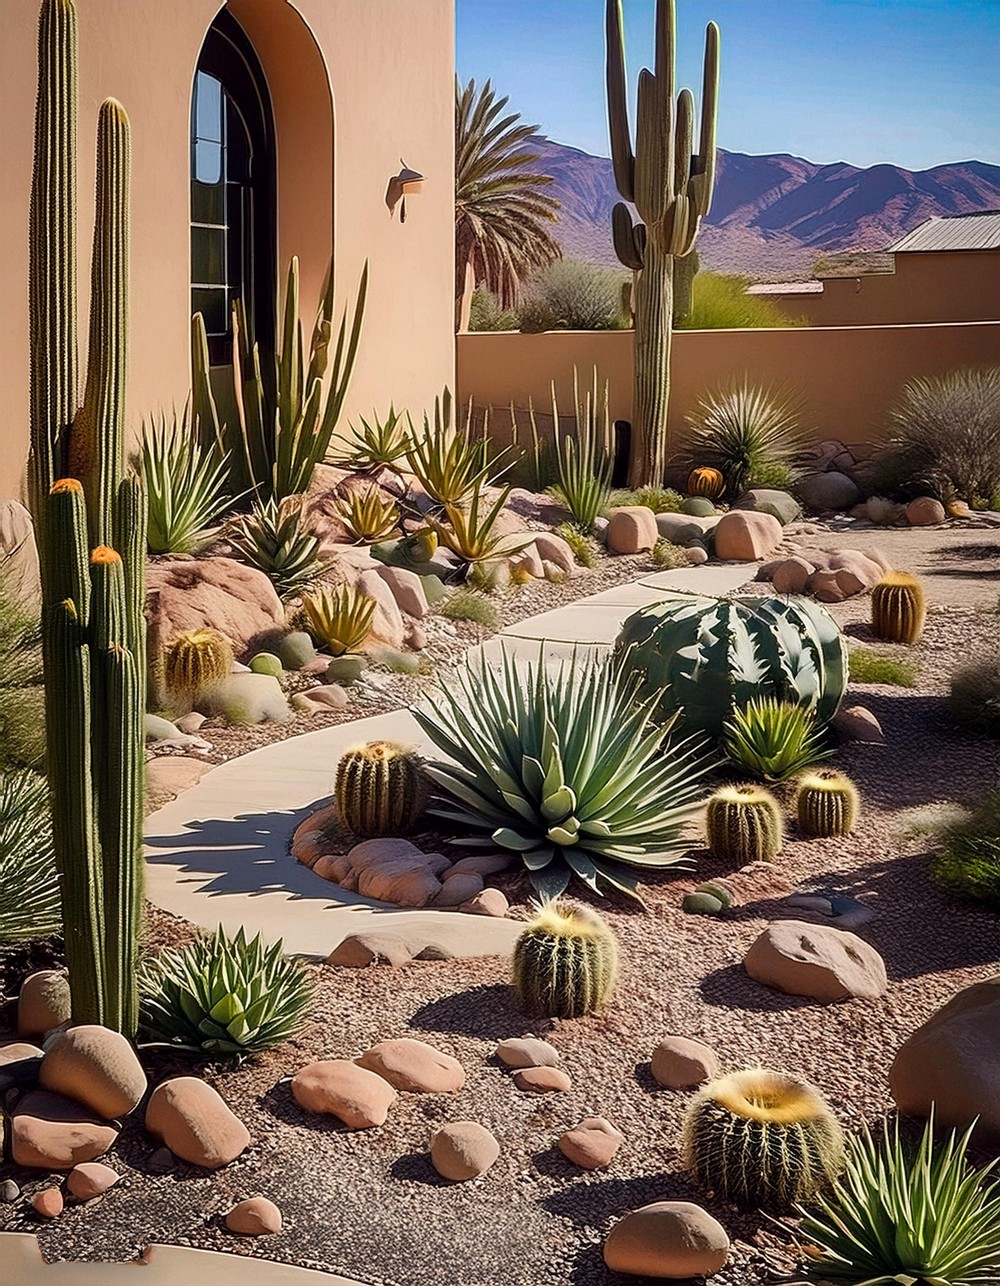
(232, 189)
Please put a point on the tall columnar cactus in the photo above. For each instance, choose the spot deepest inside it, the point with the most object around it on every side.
(92, 524)
(671, 187)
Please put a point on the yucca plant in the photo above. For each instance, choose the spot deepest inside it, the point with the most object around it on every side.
(340, 618)
(186, 485)
(29, 885)
(899, 1218)
(223, 997)
(469, 530)
(565, 767)
(367, 515)
(773, 739)
(22, 714)
(741, 428)
(381, 444)
(448, 463)
(275, 538)
(583, 459)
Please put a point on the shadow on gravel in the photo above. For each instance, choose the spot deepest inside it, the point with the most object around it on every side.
(415, 1167)
(490, 1011)
(733, 988)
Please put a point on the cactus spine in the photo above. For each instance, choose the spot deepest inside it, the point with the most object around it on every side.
(760, 1138)
(826, 804)
(93, 622)
(565, 961)
(744, 824)
(380, 789)
(898, 608)
(671, 187)
(196, 663)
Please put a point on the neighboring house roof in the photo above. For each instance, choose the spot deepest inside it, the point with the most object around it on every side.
(786, 288)
(953, 232)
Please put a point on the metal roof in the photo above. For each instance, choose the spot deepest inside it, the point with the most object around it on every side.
(954, 232)
(786, 288)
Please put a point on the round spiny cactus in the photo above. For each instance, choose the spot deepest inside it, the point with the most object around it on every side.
(826, 803)
(380, 789)
(706, 481)
(196, 663)
(898, 608)
(565, 961)
(744, 824)
(762, 1139)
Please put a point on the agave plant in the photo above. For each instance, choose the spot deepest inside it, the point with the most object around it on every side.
(367, 515)
(447, 462)
(340, 618)
(898, 1218)
(223, 996)
(380, 444)
(186, 485)
(773, 739)
(29, 885)
(742, 429)
(275, 539)
(564, 767)
(469, 531)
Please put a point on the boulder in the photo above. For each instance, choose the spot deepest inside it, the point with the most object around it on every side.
(858, 724)
(49, 1132)
(925, 511)
(9, 1191)
(19, 1064)
(18, 552)
(320, 700)
(359, 950)
(251, 698)
(213, 594)
(527, 1051)
(542, 1080)
(488, 902)
(791, 575)
(344, 670)
(529, 562)
(255, 1217)
(95, 1066)
(631, 529)
(43, 1002)
(482, 864)
(385, 869)
(407, 589)
(822, 492)
(817, 961)
(953, 1061)
(337, 1087)
(679, 1063)
(696, 554)
(195, 1123)
(90, 1180)
(745, 537)
(48, 1203)
(667, 1239)
(844, 574)
(459, 888)
(388, 626)
(296, 650)
(592, 1144)
(415, 1066)
(553, 549)
(779, 504)
(683, 529)
(463, 1150)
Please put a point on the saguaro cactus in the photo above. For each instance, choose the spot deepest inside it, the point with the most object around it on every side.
(671, 187)
(92, 526)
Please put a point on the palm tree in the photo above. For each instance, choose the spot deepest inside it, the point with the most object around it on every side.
(500, 208)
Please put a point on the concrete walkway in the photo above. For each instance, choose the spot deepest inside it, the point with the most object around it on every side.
(218, 854)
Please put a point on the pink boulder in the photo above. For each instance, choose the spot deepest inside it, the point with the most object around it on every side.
(744, 536)
(791, 575)
(337, 1087)
(925, 511)
(632, 529)
(195, 1123)
(213, 593)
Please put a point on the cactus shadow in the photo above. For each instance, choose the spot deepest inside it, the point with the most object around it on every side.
(490, 1011)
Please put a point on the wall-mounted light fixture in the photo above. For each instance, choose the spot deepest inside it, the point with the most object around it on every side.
(406, 183)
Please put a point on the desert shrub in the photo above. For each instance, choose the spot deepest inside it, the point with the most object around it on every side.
(662, 500)
(968, 861)
(943, 437)
(869, 665)
(380, 443)
(669, 556)
(485, 313)
(29, 885)
(773, 739)
(471, 605)
(776, 477)
(721, 303)
(368, 515)
(572, 294)
(744, 429)
(469, 529)
(974, 695)
(22, 702)
(586, 550)
(448, 462)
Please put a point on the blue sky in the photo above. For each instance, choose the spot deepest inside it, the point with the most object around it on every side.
(912, 82)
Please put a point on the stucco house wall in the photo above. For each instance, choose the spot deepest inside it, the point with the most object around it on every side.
(356, 85)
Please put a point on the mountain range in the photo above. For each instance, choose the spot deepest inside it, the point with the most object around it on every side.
(773, 215)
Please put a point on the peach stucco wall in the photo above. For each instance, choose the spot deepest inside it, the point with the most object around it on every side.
(356, 84)
(847, 376)
(942, 287)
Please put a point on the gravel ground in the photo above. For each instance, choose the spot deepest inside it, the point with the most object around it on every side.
(369, 1205)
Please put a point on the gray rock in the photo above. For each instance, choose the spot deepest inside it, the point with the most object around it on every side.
(9, 1191)
(822, 492)
(779, 504)
(684, 530)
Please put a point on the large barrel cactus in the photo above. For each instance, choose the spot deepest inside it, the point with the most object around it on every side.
(706, 657)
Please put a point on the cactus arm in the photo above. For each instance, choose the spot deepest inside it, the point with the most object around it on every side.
(653, 152)
(665, 52)
(705, 162)
(52, 273)
(624, 238)
(617, 86)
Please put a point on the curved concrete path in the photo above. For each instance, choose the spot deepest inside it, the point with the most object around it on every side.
(218, 854)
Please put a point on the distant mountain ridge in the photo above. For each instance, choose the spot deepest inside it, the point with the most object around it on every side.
(774, 214)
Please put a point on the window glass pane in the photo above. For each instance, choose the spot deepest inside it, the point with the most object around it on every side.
(208, 256)
(207, 108)
(212, 304)
(207, 161)
(208, 202)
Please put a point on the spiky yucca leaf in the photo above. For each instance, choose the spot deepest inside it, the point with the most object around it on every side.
(895, 1218)
(582, 457)
(367, 515)
(29, 885)
(564, 767)
(186, 486)
(341, 618)
(223, 996)
(448, 463)
(742, 428)
(275, 539)
(380, 444)
(469, 531)
(773, 739)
